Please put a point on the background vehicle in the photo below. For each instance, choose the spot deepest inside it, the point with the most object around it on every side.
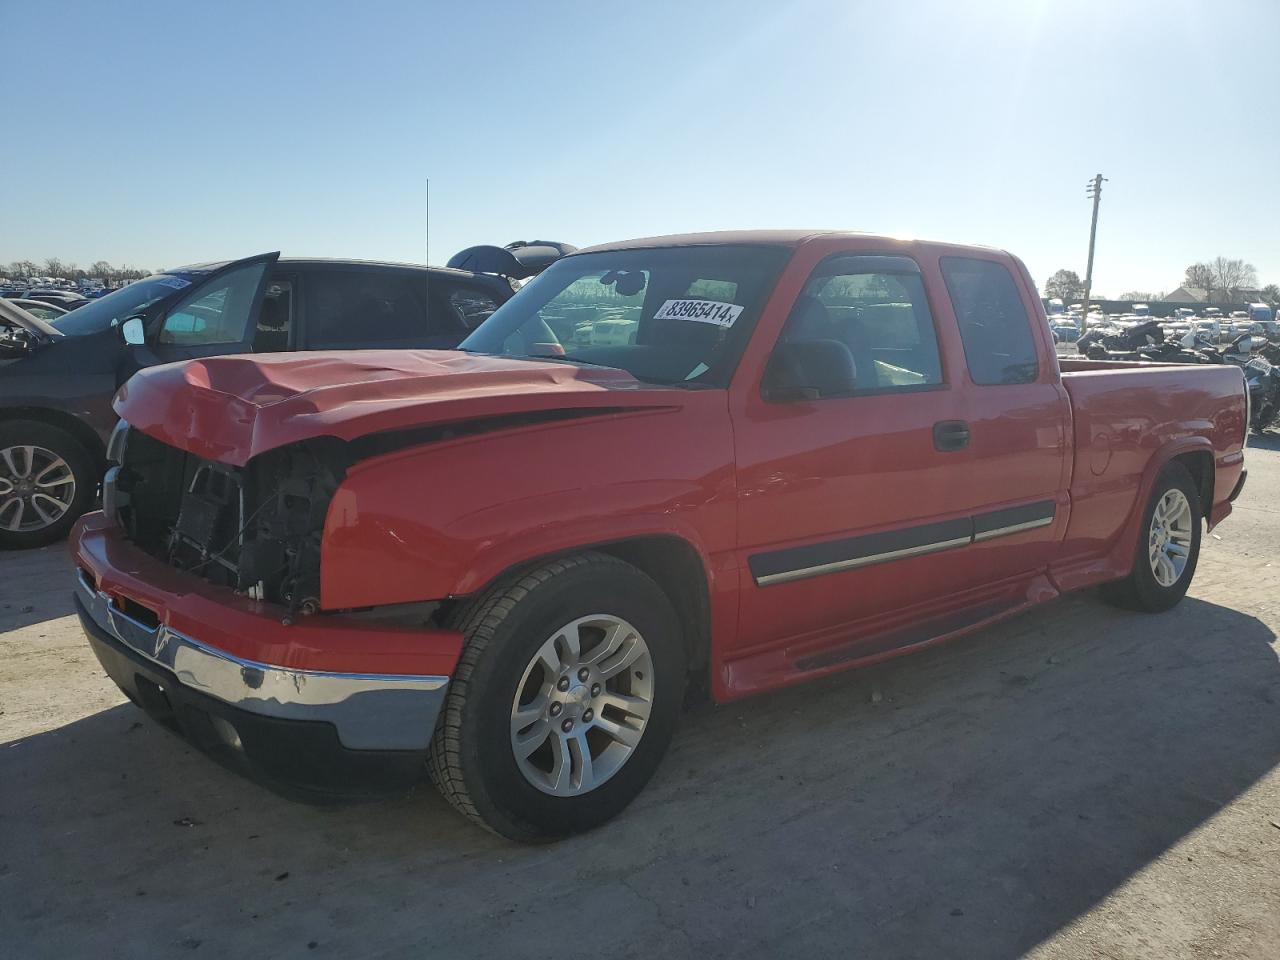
(1209, 328)
(1065, 330)
(43, 309)
(55, 397)
(801, 452)
(65, 299)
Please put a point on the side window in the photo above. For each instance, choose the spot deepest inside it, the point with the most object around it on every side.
(998, 343)
(275, 319)
(217, 313)
(349, 308)
(871, 314)
(472, 305)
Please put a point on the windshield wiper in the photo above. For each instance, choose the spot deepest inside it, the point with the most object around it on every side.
(570, 358)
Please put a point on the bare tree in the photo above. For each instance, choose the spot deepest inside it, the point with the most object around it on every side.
(1065, 284)
(1223, 276)
(1231, 276)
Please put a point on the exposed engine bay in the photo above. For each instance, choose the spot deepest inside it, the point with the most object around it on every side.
(256, 529)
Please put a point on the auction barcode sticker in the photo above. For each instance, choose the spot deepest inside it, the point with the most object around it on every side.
(702, 311)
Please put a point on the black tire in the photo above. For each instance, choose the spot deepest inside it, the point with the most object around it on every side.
(472, 762)
(1140, 590)
(84, 468)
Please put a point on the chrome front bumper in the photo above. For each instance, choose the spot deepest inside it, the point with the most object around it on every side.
(369, 711)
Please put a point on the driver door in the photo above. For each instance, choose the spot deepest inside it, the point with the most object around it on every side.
(216, 317)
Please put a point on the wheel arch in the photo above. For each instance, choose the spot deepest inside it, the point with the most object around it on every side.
(677, 567)
(1191, 452)
(81, 431)
(680, 571)
(1199, 464)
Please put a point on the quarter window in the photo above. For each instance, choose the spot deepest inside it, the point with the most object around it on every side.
(473, 306)
(994, 326)
(876, 308)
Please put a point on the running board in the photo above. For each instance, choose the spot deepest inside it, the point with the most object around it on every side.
(907, 637)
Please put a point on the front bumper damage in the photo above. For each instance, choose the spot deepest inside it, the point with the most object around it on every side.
(200, 663)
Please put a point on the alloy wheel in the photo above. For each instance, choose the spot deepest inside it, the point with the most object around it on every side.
(1169, 542)
(582, 705)
(37, 488)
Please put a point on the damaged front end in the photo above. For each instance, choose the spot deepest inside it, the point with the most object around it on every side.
(256, 529)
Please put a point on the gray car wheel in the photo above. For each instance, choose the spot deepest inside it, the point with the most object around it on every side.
(47, 480)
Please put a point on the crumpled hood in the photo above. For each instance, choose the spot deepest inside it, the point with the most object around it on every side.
(234, 408)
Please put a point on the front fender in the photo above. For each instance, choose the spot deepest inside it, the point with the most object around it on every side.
(445, 519)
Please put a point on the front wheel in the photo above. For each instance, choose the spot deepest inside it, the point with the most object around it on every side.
(564, 700)
(1168, 546)
(47, 480)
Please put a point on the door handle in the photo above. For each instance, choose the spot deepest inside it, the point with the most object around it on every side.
(949, 435)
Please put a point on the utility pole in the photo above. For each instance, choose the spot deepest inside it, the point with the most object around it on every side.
(1094, 190)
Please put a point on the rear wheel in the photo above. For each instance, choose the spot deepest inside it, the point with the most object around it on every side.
(47, 480)
(1168, 546)
(564, 700)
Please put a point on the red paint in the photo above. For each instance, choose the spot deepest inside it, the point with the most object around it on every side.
(234, 408)
(220, 618)
(722, 470)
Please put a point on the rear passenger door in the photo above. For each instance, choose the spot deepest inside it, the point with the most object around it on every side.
(1016, 412)
(354, 308)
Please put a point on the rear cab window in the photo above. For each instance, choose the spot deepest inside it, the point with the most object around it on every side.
(999, 344)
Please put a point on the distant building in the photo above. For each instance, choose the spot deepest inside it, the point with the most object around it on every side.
(1199, 295)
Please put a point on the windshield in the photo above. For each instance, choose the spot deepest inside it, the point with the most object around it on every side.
(677, 315)
(119, 306)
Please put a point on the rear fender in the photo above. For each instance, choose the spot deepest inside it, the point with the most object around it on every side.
(1123, 551)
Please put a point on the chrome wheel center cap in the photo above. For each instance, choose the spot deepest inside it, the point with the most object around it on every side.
(577, 697)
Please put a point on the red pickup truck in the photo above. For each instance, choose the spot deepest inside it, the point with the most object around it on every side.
(726, 461)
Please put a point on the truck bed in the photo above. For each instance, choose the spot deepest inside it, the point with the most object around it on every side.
(1127, 415)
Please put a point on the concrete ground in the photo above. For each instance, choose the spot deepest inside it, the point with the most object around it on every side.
(1080, 782)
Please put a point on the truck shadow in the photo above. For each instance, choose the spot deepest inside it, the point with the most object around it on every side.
(1264, 441)
(966, 802)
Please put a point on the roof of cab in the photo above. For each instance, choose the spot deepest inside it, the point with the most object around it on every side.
(341, 262)
(772, 238)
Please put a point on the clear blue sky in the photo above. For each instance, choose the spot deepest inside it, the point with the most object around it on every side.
(176, 132)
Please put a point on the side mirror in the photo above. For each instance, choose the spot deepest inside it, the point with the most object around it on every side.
(133, 332)
(809, 370)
